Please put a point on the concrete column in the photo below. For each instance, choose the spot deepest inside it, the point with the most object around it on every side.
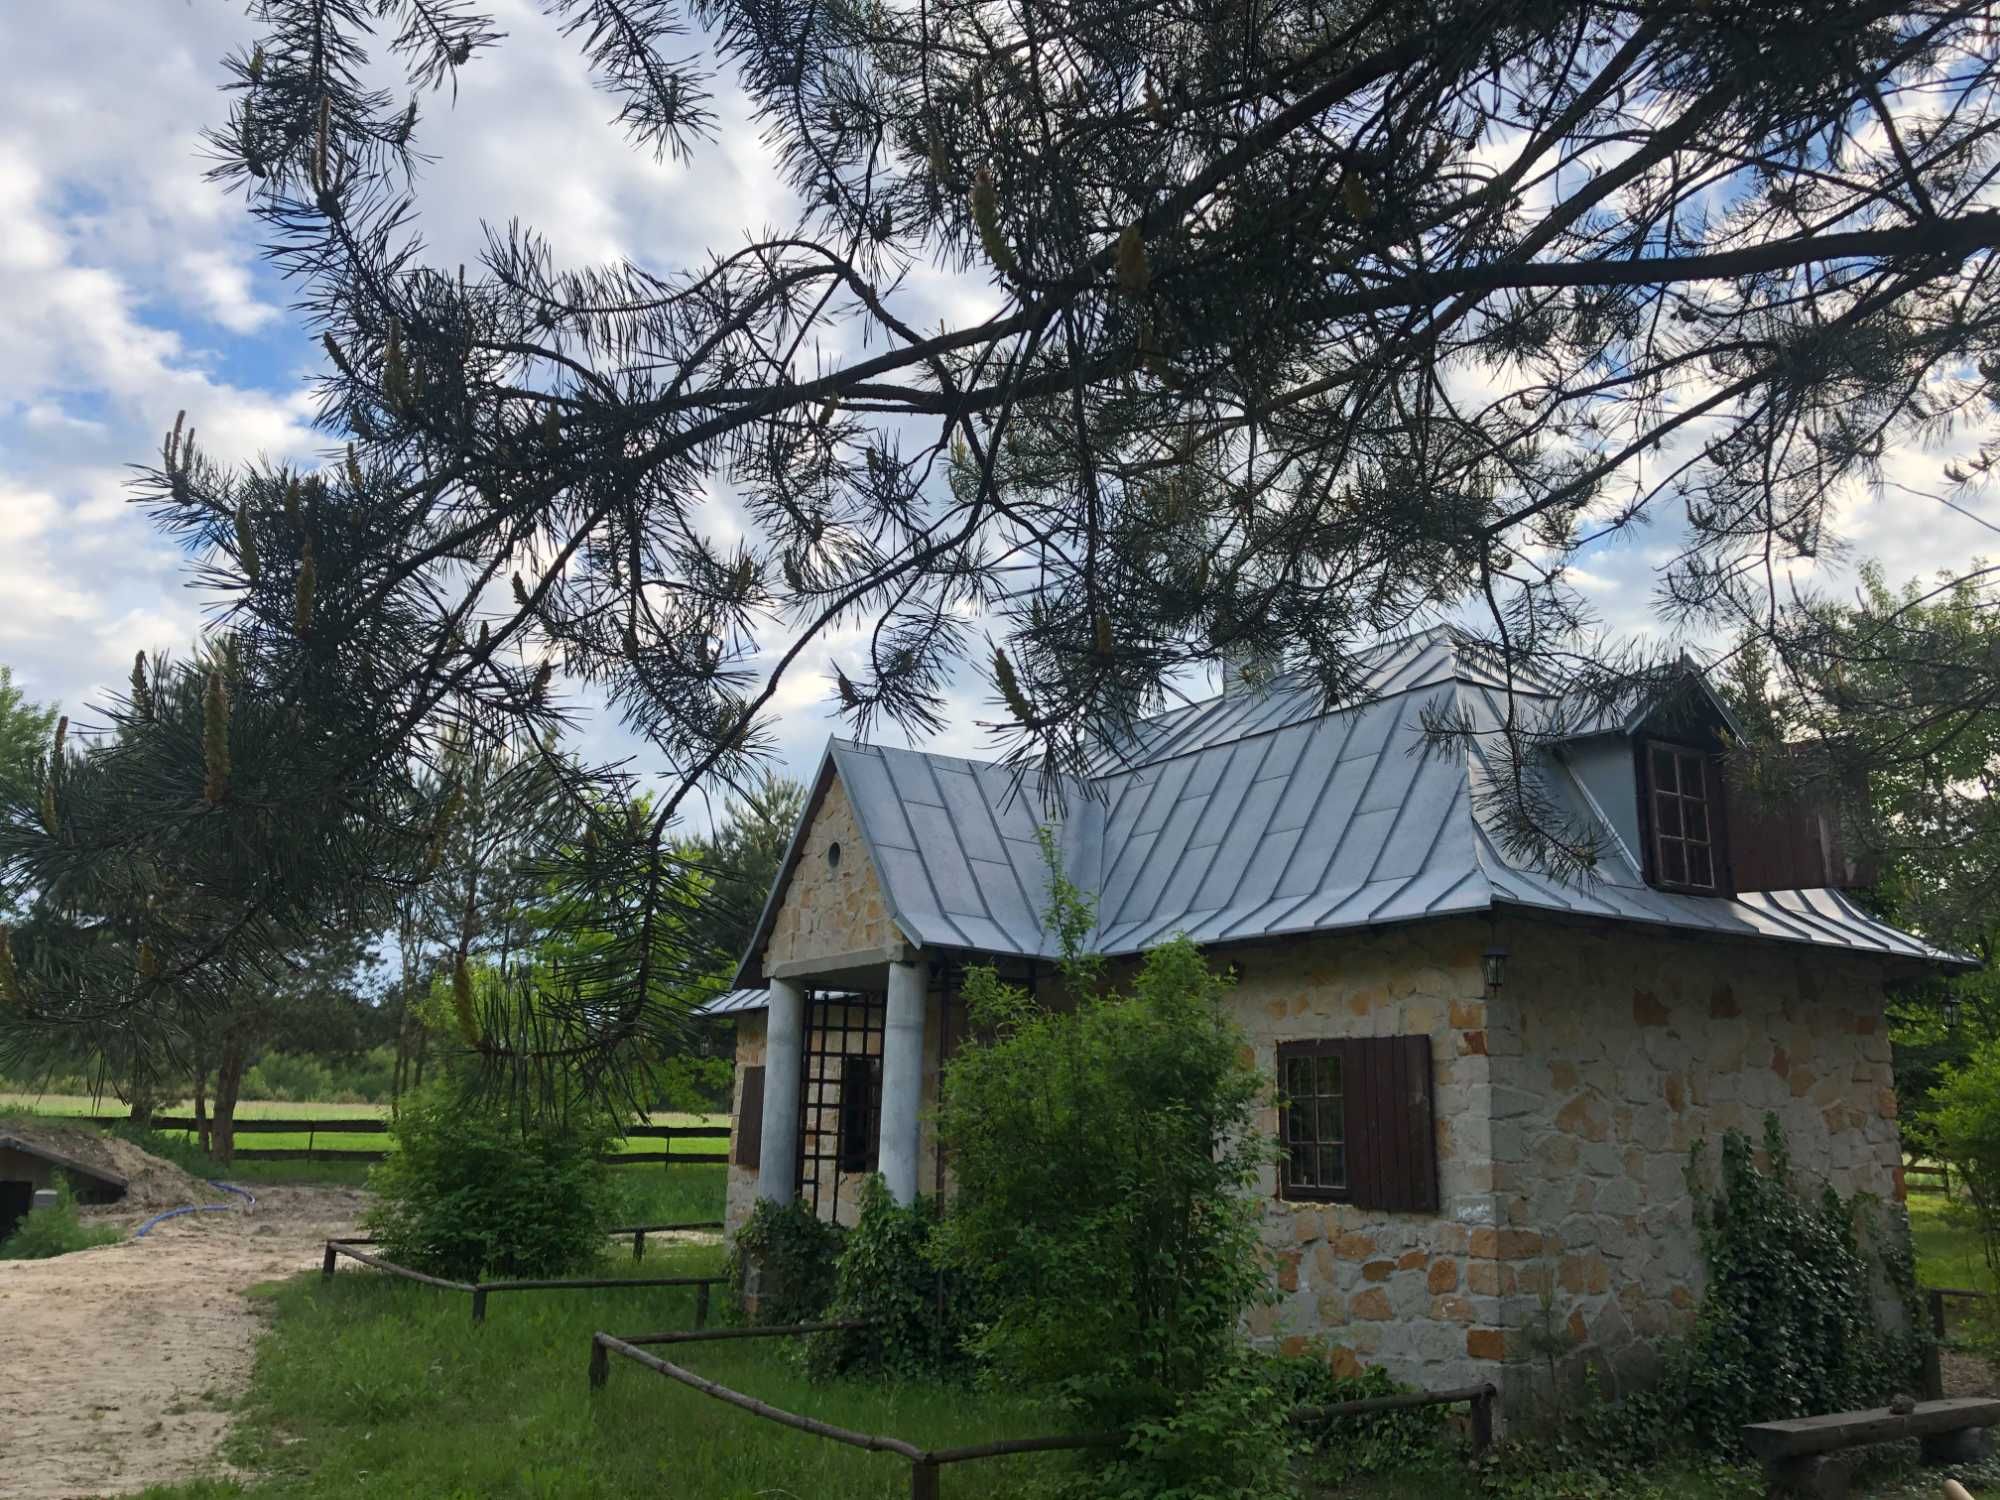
(902, 1078)
(784, 1069)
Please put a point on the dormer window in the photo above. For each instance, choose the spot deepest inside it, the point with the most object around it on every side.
(1682, 797)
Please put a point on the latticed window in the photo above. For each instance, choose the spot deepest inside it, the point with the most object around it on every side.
(1355, 1122)
(1683, 817)
(1313, 1122)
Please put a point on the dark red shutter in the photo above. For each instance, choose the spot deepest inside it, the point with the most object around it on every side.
(1391, 1140)
(750, 1120)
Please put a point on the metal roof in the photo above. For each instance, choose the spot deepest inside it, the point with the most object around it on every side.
(1264, 814)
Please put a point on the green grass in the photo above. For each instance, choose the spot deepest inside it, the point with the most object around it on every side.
(1947, 1245)
(372, 1387)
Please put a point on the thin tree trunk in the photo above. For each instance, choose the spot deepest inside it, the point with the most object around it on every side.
(201, 1108)
(228, 1080)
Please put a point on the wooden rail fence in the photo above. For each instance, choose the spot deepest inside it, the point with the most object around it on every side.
(480, 1290)
(312, 1129)
(925, 1463)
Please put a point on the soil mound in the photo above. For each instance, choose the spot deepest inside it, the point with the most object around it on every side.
(152, 1183)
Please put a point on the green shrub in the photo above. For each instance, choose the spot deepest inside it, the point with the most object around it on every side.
(1226, 1438)
(1963, 1126)
(49, 1232)
(471, 1193)
(1349, 1447)
(793, 1254)
(1102, 1156)
(1788, 1323)
(888, 1274)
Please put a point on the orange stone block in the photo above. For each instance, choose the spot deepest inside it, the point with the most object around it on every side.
(1486, 1343)
(1467, 1014)
(1378, 1270)
(1472, 1044)
(1443, 1277)
(1370, 1305)
(1412, 1260)
(1354, 1245)
(1647, 1009)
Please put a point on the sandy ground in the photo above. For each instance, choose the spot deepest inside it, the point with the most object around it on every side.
(114, 1361)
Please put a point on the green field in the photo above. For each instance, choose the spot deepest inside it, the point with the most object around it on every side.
(265, 1109)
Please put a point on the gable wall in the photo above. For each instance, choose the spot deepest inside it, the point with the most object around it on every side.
(828, 912)
(1613, 1051)
(741, 1196)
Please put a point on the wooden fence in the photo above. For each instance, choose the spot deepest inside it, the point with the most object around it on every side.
(313, 1129)
(481, 1290)
(925, 1463)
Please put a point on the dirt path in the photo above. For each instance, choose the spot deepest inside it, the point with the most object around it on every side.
(113, 1361)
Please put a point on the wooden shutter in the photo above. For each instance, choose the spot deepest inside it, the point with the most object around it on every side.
(750, 1120)
(1391, 1140)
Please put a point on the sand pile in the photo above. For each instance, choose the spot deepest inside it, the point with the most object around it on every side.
(153, 1183)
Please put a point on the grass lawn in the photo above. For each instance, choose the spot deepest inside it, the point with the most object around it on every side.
(1948, 1250)
(373, 1387)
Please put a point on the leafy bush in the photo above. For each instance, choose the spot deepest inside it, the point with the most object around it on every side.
(470, 1192)
(1963, 1126)
(1788, 1322)
(1348, 1447)
(1225, 1438)
(888, 1274)
(1102, 1157)
(57, 1230)
(793, 1255)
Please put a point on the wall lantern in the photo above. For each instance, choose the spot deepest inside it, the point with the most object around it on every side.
(1494, 962)
(1951, 1011)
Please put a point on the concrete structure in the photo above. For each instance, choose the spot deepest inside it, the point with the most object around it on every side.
(26, 1169)
(1503, 1074)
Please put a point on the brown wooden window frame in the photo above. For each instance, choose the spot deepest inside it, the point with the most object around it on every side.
(1660, 830)
(1388, 1126)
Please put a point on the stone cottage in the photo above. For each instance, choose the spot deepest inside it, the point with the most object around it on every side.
(1486, 1081)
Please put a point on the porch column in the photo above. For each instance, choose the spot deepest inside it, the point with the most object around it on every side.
(902, 1077)
(784, 1068)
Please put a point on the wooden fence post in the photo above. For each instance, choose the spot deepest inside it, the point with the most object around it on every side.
(326, 1265)
(478, 1305)
(638, 1244)
(1937, 1312)
(923, 1479)
(1482, 1421)
(701, 1306)
(600, 1363)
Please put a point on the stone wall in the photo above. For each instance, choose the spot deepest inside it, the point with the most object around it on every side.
(831, 910)
(742, 1192)
(1612, 1053)
(1414, 1292)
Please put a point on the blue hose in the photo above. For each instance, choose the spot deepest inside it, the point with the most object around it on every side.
(197, 1208)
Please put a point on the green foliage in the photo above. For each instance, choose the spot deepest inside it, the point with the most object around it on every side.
(888, 1273)
(1347, 1447)
(1101, 1155)
(182, 1150)
(787, 1256)
(1224, 1438)
(304, 1078)
(471, 1192)
(57, 1230)
(1788, 1323)
(1964, 1129)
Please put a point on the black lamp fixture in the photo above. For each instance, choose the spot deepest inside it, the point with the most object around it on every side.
(1494, 962)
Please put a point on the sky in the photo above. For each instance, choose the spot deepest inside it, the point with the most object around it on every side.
(131, 289)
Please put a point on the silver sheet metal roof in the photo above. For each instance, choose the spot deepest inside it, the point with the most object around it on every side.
(1263, 814)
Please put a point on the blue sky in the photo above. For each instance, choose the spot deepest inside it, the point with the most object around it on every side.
(130, 289)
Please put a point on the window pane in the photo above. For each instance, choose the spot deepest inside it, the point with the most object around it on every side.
(1667, 812)
(1693, 782)
(1327, 1122)
(1673, 863)
(1332, 1167)
(1663, 771)
(1700, 870)
(1300, 1169)
(1696, 820)
(1329, 1075)
(1298, 1078)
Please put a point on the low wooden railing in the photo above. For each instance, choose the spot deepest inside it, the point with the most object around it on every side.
(925, 1463)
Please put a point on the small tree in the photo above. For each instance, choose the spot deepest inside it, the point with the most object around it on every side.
(1102, 1152)
(1963, 1125)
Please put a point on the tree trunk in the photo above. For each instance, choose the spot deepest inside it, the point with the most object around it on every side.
(201, 1109)
(228, 1080)
(144, 1103)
